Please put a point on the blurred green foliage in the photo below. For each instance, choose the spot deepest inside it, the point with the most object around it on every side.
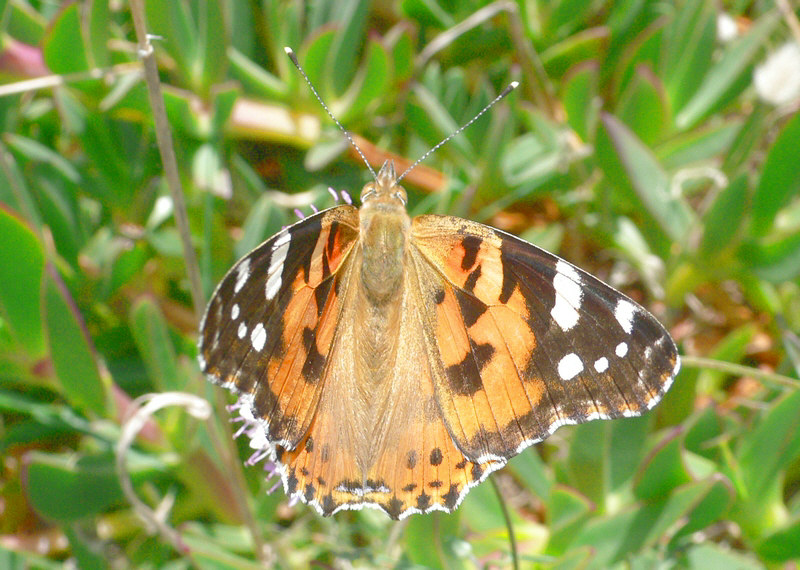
(637, 146)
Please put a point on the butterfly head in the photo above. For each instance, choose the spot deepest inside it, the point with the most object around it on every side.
(385, 191)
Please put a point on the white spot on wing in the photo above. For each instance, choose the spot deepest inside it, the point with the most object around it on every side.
(622, 349)
(567, 284)
(242, 332)
(624, 312)
(570, 366)
(258, 337)
(279, 250)
(242, 273)
(235, 311)
(601, 364)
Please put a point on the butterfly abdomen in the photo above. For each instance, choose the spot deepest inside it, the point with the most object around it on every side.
(381, 275)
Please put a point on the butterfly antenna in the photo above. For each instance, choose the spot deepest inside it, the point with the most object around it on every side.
(513, 85)
(290, 52)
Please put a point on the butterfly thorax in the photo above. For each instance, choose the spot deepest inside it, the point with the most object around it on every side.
(384, 236)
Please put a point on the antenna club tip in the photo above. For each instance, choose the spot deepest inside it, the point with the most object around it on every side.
(288, 50)
(514, 84)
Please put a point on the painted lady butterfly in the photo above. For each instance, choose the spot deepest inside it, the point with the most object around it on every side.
(396, 362)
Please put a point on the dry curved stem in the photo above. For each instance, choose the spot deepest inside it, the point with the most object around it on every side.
(145, 406)
(57, 80)
(165, 149)
(740, 370)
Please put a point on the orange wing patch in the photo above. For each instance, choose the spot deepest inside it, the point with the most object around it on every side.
(479, 379)
(279, 305)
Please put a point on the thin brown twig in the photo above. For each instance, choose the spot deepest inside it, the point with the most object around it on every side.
(165, 148)
(512, 538)
(790, 17)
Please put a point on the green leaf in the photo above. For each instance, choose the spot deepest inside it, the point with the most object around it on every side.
(103, 143)
(531, 161)
(31, 433)
(569, 15)
(155, 347)
(729, 75)
(645, 48)
(441, 122)
(663, 471)
(626, 449)
(64, 490)
(25, 24)
(370, 83)
(783, 545)
(351, 15)
(733, 347)
(15, 193)
(71, 350)
(427, 13)
(643, 106)
(21, 269)
(568, 512)
(710, 507)
(482, 509)
(579, 92)
(583, 46)
(26, 559)
(588, 461)
(182, 113)
(37, 152)
(750, 136)
(699, 145)
(634, 530)
(59, 206)
(424, 538)
(529, 468)
(724, 218)
(255, 79)
(772, 445)
(402, 53)
(56, 417)
(217, 552)
(315, 62)
(690, 41)
(64, 50)
(649, 181)
(173, 22)
(780, 178)
(777, 261)
(263, 220)
(213, 36)
(83, 551)
(711, 556)
(99, 33)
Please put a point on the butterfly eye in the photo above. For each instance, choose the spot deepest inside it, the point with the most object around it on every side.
(367, 193)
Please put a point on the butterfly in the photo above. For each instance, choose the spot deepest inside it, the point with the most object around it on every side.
(395, 363)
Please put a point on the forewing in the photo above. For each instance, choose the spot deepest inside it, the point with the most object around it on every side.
(270, 324)
(528, 342)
